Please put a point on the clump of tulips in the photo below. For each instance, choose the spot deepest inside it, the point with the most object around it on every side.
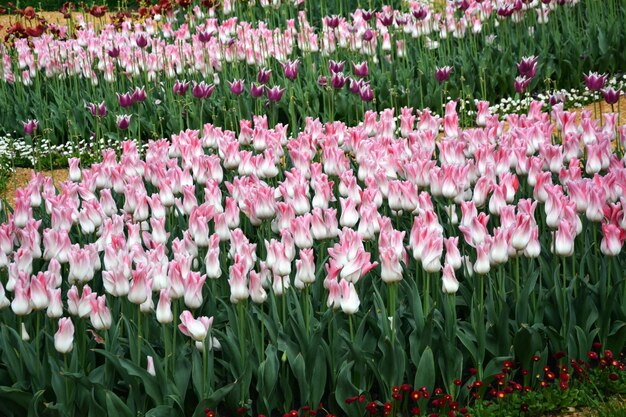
(257, 270)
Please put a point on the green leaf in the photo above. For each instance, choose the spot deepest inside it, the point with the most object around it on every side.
(115, 406)
(425, 375)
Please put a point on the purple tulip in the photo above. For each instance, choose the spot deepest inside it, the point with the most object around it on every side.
(366, 93)
(420, 14)
(291, 69)
(556, 98)
(237, 87)
(97, 110)
(611, 96)
(368, 35)
(521, 84)
(123, 121)
(180, 87)
(30, 126)
(355, 86)
(595, 81)
(322, 81)
(442, 74)
(204, 36)
(256, 90)
(114, 52)
(335, 67)
(367, 15)
(263, 75)
(139, 95)
(333, 21)
(386, 19)
(275, 93)
(338, 81)
(360, 69)
(527, 67)
(141, 41)
(202, 90)
(125, 100)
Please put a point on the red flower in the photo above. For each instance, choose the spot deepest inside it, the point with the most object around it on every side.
(210, 413)
(405, 387)
(416, 395)
(457, 382)
(415, 411)
(613, 376)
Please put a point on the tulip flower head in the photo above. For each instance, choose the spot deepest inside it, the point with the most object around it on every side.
(123, 121)
(442, 74)
(64, 337)
(30, 126)
(595, 81)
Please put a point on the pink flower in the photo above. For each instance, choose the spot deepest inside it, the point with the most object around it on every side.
(64, 337)
(612, 240)
(238, 283)
(349, 298)
(193, 290)
(198, 328)
(449, 284)
(100, 315)
(305, 269)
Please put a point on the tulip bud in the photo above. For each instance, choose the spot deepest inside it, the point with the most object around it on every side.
(64, 337)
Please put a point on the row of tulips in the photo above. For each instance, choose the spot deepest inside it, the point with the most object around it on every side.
(261, 271)
(336, 72)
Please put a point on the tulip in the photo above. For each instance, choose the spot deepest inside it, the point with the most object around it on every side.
(100, 315)
(349, 298)
(150, 366)
(30, 126)
(164, 309)
(449, 284)
(125, 100)
(291, 69)
(141, 41)
(366, 93)
(335, 67)
(338, 81)
(442, 74)
(368, 35)
(611, 96)
(180, 87)
(527, 67)
(202, 90)
(360, 69)
(274, 94)
(198, 328)
(24, 333)
(123, 121)
(237, 87)
(64, 337)
(139, 95)
(97, 110)
(612, 240)
(263, 76)
(595, 81)
(256, 90)
(521, 84)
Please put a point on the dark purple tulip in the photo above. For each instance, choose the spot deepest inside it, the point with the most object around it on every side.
(367, 14)
(610, 95)
(275, 93)
(557, 98)
(141, 41)
(139, 95)
(338, 81)
(521, 84)
(237, 87)
(367, 94)
(517, 6)
(123, 121)
(30, 126)
(204, 36)
(420, 13)
(595, 81)
(322, 81)
(291, 69)
(386, 19)
(463, 5)
(202, 90)
(97, 110)
(355, 86)
(263, 75)
(368, 35)
(360, 69)
(180, 88)
(256, 90)
(332, 21)
(114, 52)
(527, 67)
(505, 11)
(335, 67)
(401, 21)
(442, 74)
(125, 100)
